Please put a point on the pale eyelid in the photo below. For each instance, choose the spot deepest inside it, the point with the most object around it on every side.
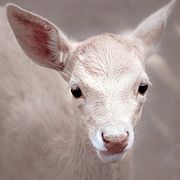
(149, 83)
(144, 79)
(83, 87)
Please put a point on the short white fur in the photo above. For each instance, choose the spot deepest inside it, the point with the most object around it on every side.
(45, 133)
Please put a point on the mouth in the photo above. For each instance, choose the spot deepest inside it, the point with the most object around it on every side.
(109, 157)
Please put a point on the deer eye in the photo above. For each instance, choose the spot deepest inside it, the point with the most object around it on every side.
(76, 91)
(142, 88)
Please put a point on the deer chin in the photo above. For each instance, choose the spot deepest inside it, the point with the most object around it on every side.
(109, 157)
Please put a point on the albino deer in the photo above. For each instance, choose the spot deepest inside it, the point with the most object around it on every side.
(79, 127)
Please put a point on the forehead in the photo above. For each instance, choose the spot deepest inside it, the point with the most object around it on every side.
(108, 58)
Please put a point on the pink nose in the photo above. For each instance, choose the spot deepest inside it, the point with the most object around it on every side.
(116, 144)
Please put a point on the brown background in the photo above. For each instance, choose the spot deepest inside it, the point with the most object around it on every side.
(157, 152)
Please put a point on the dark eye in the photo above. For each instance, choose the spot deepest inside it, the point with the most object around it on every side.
(76, 91)
(142, 88)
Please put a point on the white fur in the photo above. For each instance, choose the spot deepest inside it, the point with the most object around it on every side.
(44, 132)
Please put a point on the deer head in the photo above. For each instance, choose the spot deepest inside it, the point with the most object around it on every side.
(106, 73)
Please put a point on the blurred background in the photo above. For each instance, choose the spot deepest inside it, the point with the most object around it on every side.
(157, 145)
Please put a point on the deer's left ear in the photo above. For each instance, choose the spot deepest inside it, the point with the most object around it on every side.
(150, 31)
(41, 40)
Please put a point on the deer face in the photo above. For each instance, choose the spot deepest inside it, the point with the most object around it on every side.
(109, 86)
(106, 74)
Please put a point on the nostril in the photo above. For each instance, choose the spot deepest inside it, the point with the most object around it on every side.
(125, 137)
(105, 138)
(127, 132)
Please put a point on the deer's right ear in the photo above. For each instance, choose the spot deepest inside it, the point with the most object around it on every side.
(40, 39)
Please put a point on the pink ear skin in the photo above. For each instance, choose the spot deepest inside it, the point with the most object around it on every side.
(40, 39)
